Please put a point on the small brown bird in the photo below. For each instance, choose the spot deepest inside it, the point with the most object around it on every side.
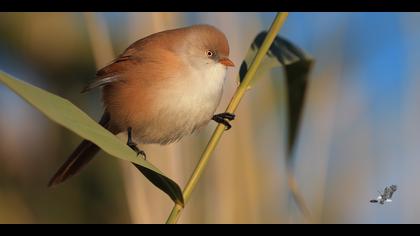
(161, 88)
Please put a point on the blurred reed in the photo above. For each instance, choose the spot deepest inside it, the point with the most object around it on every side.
(171, 158)
(103, 53)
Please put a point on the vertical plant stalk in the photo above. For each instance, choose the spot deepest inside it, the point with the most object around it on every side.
(99, 39)
(103, 52)
(234, 103)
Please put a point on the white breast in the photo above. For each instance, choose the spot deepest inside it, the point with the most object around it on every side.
(185, 105)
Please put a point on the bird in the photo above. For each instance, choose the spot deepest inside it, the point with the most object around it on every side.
(386, 196)
(161, 88)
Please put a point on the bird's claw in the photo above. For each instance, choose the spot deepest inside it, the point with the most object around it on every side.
(136, 149)
(222, 119)
(133, 145)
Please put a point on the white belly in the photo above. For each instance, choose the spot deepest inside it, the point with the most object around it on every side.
(186, 105)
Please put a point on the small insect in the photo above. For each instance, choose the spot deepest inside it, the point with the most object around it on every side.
(386, 196)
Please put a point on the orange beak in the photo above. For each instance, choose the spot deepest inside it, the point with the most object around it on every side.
(226, 61)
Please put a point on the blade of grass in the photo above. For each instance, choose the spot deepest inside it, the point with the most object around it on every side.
(217, 134)
(71, 117)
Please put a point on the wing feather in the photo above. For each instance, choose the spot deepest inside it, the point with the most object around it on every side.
(113, 72)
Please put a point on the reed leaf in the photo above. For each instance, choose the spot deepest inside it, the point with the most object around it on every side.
(64, 113)
(297, 66)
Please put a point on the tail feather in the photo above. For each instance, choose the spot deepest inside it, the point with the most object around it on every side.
(78, 159)
(82, 155)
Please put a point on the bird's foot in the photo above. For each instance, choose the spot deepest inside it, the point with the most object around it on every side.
(133, 145)
(223, 118)
(136, 149)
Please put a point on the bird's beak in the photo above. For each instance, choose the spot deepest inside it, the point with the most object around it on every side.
(226, 61)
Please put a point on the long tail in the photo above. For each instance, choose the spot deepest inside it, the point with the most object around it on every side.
(79, 158)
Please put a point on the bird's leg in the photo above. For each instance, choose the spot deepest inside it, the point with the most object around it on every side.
(133, 145)
(223, 117)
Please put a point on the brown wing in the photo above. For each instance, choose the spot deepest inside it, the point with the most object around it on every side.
(113, 71)
(140, 51)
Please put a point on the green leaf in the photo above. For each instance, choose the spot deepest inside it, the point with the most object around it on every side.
(297, 75)
(71, 117)
(296, 65)
(281, 53)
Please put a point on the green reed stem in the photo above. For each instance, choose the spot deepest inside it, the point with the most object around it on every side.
(234, 103)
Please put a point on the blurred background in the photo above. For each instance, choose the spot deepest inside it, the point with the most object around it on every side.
(359, 132)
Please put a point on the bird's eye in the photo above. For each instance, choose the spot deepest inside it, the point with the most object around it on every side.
(209, 53)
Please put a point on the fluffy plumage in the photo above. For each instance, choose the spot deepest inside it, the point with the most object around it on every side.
(164, 86)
